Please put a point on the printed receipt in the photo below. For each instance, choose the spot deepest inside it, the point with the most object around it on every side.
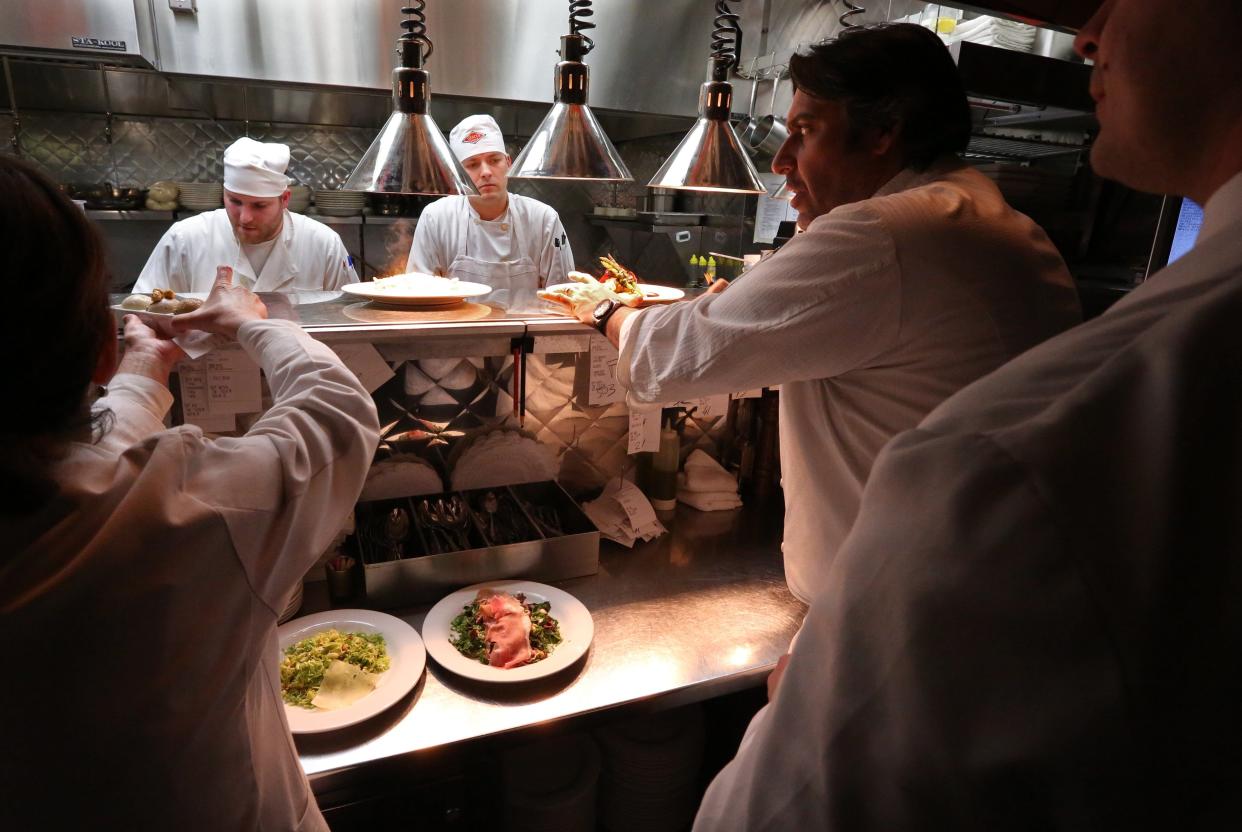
(603, 388)
(218, 386)
(644, 429)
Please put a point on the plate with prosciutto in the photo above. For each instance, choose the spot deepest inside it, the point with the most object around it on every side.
(508, 631)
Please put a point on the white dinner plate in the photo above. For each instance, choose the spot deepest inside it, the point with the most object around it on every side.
(186, 295)
(660, 294)
(452, 291)
(406, 655)
(577, 630)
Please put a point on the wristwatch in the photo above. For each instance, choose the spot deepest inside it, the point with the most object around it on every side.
(603, 311)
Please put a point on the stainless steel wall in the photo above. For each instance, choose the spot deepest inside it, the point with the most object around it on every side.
(649, 56)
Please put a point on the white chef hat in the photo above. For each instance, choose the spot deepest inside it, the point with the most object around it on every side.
(256, 168)
(474, 135)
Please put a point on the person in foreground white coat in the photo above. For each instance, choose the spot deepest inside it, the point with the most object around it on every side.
(913, 277)
(513, 243)
(1034, 624)
(269, 248)
(144, 568)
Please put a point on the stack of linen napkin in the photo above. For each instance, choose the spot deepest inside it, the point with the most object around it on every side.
(705, 485)
(504, 457)
(623, 513)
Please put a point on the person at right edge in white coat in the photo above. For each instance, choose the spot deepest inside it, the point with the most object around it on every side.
(510, 242)
(912, 278)
(1036, 622)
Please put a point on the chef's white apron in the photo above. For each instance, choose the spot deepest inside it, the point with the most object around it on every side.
(514, 283)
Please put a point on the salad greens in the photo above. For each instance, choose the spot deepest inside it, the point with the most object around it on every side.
(302, 669)
(470, 633)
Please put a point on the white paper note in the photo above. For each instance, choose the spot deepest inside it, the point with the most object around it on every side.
(749, 394)
(707, 407)
(218, 386)
(644, 429)
(770, 213)
(603, 387)
(366, 363)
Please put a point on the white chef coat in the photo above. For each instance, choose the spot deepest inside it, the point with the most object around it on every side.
(868, 320)
(308, 256)
(1035, 622)
(146, 694)
(450, 232)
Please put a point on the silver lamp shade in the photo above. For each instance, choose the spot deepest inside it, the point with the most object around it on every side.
(710, 157)
(410, 155)
(569, 143)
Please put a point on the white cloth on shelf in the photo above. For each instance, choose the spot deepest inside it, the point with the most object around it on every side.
(623, 514)
(702, 473)
(707, 500)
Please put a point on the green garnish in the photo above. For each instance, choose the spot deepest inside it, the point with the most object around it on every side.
(302, 668)
(470, 633)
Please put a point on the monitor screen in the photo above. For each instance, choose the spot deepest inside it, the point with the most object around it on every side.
(1189, 218)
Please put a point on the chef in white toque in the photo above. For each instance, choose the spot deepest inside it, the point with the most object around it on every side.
(269, 248)
(510, 242)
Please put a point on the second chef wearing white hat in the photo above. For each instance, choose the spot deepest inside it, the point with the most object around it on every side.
(269, 248)
(510, 242)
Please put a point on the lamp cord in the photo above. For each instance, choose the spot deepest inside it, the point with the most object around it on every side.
(727, 34)
(852, 10)
(579, 11)
(415, 26)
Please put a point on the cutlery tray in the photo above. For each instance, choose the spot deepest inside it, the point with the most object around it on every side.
(416, 549)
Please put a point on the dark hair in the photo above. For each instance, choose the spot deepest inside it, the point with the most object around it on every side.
(56, 284)
(891, 76)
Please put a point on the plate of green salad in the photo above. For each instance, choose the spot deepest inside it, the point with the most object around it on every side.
(341, 667)
(508, 631)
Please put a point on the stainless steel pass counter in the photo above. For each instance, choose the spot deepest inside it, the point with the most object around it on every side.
(699, 612)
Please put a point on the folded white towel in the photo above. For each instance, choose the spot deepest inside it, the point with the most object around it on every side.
(708, 500)
(702, 473)
(402, 475)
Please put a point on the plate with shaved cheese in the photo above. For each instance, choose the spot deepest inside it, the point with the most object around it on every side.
(508, 631)
(342, 667)
(416, 289)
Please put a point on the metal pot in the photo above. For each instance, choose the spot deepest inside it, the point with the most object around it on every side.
(765, 136)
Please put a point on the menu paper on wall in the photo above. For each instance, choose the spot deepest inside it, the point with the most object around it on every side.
(644, 429)
(770, 213)
(365, 362)
(603, 388)
(218, 386)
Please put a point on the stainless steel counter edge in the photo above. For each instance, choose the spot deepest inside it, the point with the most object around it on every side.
(699, 612)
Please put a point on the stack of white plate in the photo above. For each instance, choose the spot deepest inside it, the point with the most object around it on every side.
(559, 794)
(340, 203)
(299, 198)
(651, 771)
(201, 196)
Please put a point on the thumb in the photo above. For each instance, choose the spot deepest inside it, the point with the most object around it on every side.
(224, 275)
